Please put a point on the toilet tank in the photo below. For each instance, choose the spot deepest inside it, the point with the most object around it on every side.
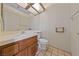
(38, 34)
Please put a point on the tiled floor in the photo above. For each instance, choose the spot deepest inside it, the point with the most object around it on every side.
(52, 51)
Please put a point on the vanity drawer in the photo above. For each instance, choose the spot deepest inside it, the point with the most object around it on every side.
(10, 50)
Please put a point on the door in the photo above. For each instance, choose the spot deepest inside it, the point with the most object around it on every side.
(75, 35)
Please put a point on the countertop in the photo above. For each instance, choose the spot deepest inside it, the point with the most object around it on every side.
(13, 36)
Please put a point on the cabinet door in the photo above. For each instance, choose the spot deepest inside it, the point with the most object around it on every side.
(10, 50)
(27, 42)
(22, 53)
(32, 49)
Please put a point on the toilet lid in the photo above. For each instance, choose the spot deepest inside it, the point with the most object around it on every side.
(43, 40)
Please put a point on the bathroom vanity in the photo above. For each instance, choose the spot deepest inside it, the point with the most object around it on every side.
(20, 47)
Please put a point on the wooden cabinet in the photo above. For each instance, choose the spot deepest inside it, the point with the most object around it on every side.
(32, 49)
(27, 42)
(25, 47)
(10, 50)
(22, 53)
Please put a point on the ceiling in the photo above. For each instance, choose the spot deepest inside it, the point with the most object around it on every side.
(26, 11)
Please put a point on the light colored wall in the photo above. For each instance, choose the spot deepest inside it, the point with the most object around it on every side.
(56, 15)
(14, 19)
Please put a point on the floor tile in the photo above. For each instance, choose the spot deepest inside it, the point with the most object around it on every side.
(52, 51)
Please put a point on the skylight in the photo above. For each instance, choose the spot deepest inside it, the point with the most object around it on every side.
(37, 6)
(34, 8)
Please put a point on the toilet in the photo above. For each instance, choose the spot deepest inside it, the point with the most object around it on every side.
(42, 42)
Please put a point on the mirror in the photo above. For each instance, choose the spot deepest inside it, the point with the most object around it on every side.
(1, 23)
